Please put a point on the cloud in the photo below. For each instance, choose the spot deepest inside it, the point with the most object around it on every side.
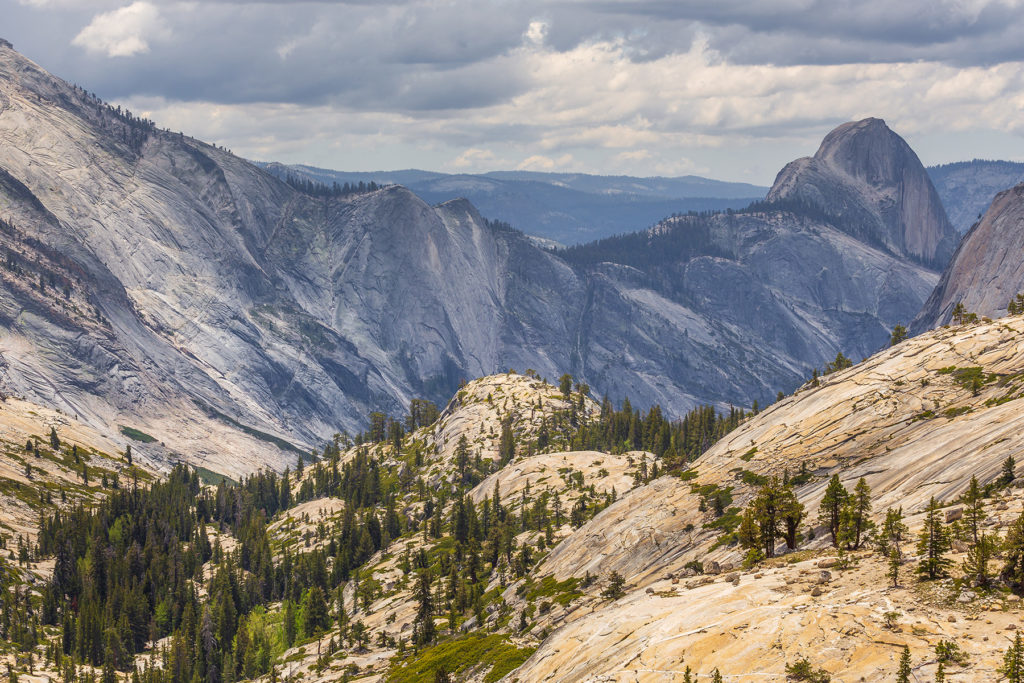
(624, 85)
(536, 32)
(472, 158)
(539, 162)
(123, 32)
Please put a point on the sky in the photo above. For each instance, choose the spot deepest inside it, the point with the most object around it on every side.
(729, 89)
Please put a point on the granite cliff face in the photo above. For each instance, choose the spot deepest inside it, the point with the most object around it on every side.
(987, 271)
(202, 292)
(869, 183)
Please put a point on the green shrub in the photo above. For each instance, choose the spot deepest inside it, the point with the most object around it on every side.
(137, 435)
(492, 653)
(803, 670)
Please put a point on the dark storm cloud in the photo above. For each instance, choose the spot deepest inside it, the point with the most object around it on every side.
(412, 55)
(637, 86)
(397, 56)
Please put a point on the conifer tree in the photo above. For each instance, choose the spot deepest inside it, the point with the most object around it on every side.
(565, 386)
(904, 671)
(792, 511)
(831, 508)
(981, 546)
(314, 611)
(933, 543)
(893, 533)
(858, 517)
(1013, 661)
(506, 445)
(772, 514)
(1013, 550)
(899, 334)
(894, 566)
(614, 590)
(425, 603)
(289, 623)
(1008, 474)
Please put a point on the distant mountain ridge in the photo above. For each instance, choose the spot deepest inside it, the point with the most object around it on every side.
(210, 303)
(968, 187)
(965, 189)
(569, 208)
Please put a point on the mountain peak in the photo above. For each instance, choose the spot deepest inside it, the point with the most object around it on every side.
(867, 150)
(6, 43)
(872, 185)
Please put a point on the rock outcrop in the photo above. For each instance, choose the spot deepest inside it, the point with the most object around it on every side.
(908, 421)
(869, 182)
(987, 270)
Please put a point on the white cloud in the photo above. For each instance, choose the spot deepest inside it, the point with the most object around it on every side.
(536, 32)
(591, 105)
(539, 162)
(123, 32)
(472, 158)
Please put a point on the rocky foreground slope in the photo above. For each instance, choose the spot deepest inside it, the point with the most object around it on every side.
(153, 276)
(913, 423)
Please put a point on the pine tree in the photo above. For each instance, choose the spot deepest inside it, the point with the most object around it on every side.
(894, 532)
(840, 363)
(981, 547)
(792, 511)
(289, 623)
(959, 312)
(316, 619)
(1013, 550)
(899, 334)
(933, 543)
(831, 508)
(1008, 475)
(462, 458)
(894, 566)
(615, 589)
(854, 519)
(506, 445)
(1013, 662)
(904, 671)
(774, 512)
(425, 610)
(565, 386)
(54, 440)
